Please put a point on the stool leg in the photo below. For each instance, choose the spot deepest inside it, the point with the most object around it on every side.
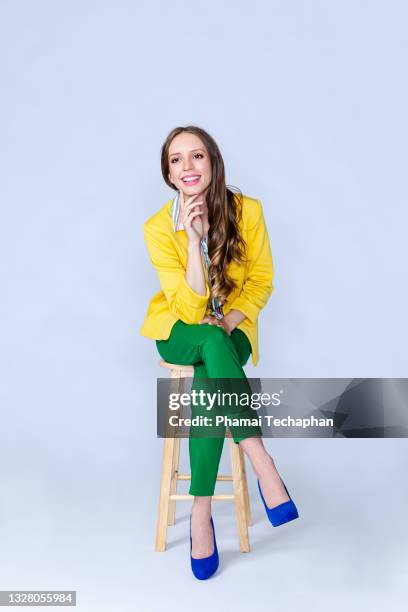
(177, 384)
(245, 487)
(239, 497)
(165, 484)
(174, 477)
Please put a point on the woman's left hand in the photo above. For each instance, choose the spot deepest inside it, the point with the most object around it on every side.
(218, 322)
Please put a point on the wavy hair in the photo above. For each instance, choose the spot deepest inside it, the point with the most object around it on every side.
(225, 242)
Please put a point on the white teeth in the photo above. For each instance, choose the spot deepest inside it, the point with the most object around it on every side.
(190, 179)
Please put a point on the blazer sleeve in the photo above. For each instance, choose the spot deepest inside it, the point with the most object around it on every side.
(258, 284)
(183, 301)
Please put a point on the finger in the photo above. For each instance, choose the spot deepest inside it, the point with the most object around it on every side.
(188, 209)
(191, 206)
(191, 198)
(186, 203)
(190, 217)
(192, 211)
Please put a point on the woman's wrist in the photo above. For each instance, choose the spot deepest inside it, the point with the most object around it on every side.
(233, 318)
(193, 245)
(228, 324)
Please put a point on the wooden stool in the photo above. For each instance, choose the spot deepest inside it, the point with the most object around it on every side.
(170, 475)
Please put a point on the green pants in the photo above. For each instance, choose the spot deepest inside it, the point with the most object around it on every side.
(214, 354)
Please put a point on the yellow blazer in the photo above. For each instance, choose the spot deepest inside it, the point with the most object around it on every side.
(176, 300)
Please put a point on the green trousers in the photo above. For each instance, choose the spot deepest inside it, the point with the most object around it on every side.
(214, 355)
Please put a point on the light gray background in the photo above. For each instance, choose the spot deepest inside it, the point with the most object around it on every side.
(307, 101)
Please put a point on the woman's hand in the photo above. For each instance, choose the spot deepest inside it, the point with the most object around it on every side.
(224, 323)
(191, 210)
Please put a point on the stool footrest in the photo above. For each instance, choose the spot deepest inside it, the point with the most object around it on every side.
(217, 497)
(222, 477)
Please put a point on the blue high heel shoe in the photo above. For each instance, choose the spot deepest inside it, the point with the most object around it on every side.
(206, 567)
(283, 513)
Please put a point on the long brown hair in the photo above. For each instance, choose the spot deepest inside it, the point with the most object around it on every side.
(225, 242)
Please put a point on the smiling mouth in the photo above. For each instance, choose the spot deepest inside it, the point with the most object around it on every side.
(191, 179)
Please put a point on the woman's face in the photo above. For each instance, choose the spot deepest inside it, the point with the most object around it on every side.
(188, 157)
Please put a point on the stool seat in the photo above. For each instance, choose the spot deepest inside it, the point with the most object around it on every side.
(170, 477)
(176, 367)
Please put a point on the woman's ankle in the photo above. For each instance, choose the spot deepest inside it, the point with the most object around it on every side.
(263, 465)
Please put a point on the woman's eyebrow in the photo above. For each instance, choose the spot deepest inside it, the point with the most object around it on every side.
(191, 151)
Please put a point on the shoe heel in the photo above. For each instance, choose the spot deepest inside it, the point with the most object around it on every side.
(206, 567)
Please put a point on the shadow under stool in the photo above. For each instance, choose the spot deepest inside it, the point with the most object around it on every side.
(170, 474)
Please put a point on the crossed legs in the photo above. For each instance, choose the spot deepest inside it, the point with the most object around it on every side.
(214, 354)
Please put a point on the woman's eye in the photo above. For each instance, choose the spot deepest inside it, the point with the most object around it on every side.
(200, 155)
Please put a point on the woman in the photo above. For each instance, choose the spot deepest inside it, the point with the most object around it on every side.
(210, 248)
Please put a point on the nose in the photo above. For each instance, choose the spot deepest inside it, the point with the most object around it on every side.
(186, 164)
